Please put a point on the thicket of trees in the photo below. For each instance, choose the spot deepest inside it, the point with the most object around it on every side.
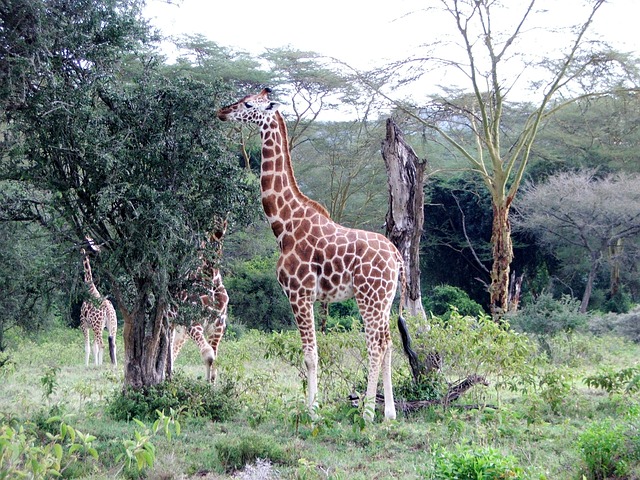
(101, 136)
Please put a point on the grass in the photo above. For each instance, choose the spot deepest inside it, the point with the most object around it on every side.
(271, 436)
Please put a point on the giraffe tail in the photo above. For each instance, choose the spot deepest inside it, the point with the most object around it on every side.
(112, 349)
(402, 324)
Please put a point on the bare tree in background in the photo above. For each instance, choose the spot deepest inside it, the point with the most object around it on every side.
(584, 220)
(493, 152)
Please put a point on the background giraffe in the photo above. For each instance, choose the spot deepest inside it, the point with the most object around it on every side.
(320, 259)
(207, 334)
(96, 312)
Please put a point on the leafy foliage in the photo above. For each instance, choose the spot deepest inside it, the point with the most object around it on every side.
(547, 316)
(481, 464)
(442, 298)
(191, 397)
(255, 296)
(236, 451)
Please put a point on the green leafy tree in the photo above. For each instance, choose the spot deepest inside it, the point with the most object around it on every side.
(117, 146)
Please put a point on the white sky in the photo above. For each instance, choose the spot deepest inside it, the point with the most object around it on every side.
(365, 33)
(356, 31)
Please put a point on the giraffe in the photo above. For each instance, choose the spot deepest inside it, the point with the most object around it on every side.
(321, 260)
(207, 334)
(95, 313)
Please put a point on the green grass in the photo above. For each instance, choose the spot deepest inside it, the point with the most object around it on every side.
(542, 429)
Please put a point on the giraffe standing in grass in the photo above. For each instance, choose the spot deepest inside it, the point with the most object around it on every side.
(96, 313)
(320, 259)
(207, 334)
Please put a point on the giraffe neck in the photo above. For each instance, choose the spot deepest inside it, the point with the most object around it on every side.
(88, 279)
(280, 193)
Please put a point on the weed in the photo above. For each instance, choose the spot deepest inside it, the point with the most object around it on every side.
(234, 452)
(469, 464)
(608, 449)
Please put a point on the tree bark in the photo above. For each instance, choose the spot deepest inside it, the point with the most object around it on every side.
(502, 249)
(146, 336)
(405, 217)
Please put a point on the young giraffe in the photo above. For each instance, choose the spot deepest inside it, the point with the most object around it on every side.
(95, 313)
(215, 301)
(320, 259)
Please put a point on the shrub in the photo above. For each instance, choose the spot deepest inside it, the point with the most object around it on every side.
(234, 452)
(255, 296)
(443, 297)
(467, 346)
(547, 316)
(468, 464)
(192, 397)
(603, 448)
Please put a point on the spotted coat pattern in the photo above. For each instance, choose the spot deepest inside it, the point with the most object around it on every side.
(95, 313)
(321, 260)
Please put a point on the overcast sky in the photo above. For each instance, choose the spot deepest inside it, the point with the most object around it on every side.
(358, 32)
(366, 33)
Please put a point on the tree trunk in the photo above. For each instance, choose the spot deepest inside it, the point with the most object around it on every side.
(146, 337)
(586, 296)
(502, 249)
(405, 217)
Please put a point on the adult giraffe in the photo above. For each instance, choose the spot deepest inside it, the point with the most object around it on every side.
(96, 312)
(320, 259)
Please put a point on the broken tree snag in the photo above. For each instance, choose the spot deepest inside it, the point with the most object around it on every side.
(455, 391)
(405, 217)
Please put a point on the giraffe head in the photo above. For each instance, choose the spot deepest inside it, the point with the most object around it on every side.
(89, 246)
(250, 109)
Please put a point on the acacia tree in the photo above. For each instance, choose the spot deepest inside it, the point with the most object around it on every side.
(491, 68)
(105, 141)
(580, 216)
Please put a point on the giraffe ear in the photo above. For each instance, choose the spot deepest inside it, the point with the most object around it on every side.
(273, 106)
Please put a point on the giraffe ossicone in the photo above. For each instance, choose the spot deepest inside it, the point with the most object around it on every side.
(321, 260)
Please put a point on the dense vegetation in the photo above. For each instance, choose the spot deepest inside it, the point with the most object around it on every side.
(102, 136)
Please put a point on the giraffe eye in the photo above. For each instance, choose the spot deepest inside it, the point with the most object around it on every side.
(248, 105)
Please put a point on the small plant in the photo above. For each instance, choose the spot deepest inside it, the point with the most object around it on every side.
(26, 453)
(49, 382)
(612, 381)
(604, 451)
(468, 464)
(140, 451)
(234, 452)
(555, 386)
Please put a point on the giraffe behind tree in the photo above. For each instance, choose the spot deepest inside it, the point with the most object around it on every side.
(208, 333)
(96, 313)
(321, 260)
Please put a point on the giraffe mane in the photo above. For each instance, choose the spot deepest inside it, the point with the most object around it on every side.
(307, 201)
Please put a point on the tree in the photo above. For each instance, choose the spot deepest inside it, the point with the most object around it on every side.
(405, 216)
(108, 142)
(580, 216)
(491, 66)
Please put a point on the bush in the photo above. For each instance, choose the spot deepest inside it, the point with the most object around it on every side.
(467, 464)
(255, 296)
(548, 316)
(443, 297)
(604, 451)
(234, 452)
(467, 346)
(195, 398)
